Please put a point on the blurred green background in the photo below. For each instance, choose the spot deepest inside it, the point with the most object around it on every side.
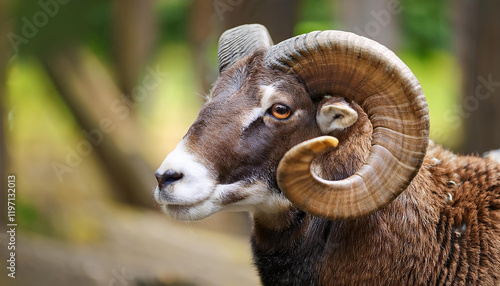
(95, 94)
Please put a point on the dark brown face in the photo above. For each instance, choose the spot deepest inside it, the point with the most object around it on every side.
(249, 124)
(229, 156)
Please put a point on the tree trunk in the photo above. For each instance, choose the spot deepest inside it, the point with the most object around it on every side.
(107, 121)
(133, 35)
(375, 19)
(200, 30)
(477, 27)
(278, 16)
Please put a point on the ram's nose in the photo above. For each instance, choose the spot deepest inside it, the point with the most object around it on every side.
(168, 177)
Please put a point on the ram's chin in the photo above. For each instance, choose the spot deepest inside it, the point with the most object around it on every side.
(191, 212)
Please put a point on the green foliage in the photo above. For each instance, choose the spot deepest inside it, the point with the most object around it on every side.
(173, 20)
(29, 219)
(439, 75)
(426, 25)
(43, 27)
(315, 15)
(99, 37)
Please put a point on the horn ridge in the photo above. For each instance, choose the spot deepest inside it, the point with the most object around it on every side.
(360, 69)
(240, 41)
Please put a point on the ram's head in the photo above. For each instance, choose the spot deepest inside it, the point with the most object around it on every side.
(274, 109)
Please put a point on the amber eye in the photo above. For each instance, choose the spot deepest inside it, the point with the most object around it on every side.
(281, 111)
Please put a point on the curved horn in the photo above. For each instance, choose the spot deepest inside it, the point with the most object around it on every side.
(341, 63)
(241, 41)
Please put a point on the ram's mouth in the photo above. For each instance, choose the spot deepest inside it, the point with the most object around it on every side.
(189, 212)
(171, 198)
(185, 209)
(179, 207)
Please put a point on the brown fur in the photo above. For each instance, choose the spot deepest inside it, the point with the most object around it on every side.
(421, 238)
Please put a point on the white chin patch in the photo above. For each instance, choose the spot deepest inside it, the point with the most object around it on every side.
(191, 212)
(190, 197)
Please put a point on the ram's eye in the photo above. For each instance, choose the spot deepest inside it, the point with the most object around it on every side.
(281, 111)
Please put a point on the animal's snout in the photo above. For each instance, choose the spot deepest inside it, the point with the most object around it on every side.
(168, 177)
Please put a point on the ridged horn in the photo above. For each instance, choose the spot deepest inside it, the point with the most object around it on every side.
(341, 63)
(240, 41)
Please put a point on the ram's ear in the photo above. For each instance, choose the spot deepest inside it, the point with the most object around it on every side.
(334, 113)
(238, 42)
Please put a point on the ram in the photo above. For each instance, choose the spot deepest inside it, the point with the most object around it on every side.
(324, 140)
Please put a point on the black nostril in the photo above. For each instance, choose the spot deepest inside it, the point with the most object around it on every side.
(168, 177)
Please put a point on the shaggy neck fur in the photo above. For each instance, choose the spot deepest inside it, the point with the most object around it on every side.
(441, 230)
